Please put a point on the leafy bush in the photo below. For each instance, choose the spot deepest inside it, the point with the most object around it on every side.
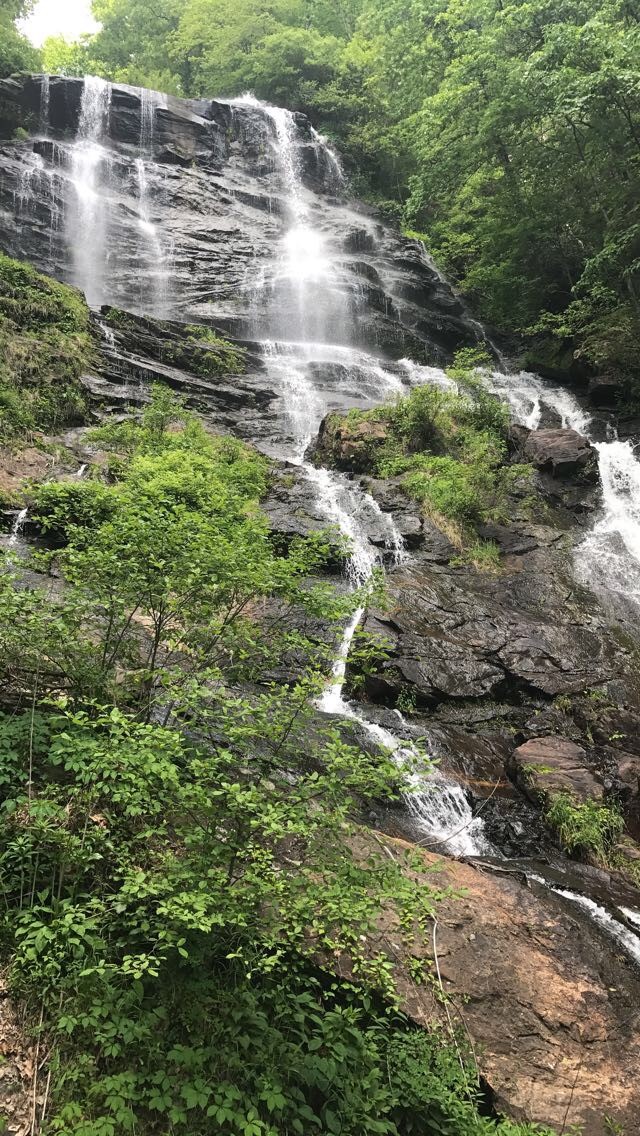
(449, 447)
(62, 507)
(180, 865)
(589, 827)
(140, 870)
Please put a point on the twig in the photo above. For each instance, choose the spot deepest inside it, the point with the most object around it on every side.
(35, 1075)
(46, 1098)
(573, 1089)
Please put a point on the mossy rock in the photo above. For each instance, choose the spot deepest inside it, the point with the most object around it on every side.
(45, 346)
(353, 442)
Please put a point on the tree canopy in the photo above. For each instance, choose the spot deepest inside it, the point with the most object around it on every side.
(16, 53)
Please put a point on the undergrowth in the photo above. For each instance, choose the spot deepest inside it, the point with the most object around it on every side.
(589, 827)
(182, 877)
(45, 345)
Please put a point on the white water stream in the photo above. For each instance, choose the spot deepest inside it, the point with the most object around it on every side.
(17, 526)
(627, 939)
(307, 269)
(86, 228)
(608, 559)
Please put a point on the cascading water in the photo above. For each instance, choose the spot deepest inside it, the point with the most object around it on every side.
(608, 559)
(306, 267)
(153, 253)
(44, 104)
(87, 224)
(18, 525)
(627, 938)
(99, 204)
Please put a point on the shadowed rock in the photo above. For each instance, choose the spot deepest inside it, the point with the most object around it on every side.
(562, 453)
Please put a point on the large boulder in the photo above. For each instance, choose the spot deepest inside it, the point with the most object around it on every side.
(545, 767)
(350, 442)
(562, 453)
(541, 994)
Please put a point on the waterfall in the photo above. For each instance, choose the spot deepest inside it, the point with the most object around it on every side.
(17, 526)
(45, 92)
(86, 224)
(152, 249)
(307, 268)
(608, 559)
(527, 394)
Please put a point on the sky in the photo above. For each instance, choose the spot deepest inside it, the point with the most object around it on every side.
(69, 18)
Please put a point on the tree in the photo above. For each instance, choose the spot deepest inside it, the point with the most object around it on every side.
(16, 53)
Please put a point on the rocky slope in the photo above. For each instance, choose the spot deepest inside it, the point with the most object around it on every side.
(521, 680)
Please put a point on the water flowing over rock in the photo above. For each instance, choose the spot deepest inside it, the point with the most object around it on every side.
(234, 215)
(205, 185)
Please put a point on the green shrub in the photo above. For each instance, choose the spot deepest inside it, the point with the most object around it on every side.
(483, 555)
(590, 827)
(449, 447)
(61, 507)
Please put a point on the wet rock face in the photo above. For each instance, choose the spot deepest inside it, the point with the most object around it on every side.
(196, 227)
(460, 634)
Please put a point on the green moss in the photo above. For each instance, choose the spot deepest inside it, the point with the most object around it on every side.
(45, 345)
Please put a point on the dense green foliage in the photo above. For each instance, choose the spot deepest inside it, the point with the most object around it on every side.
(509, 134)
(16, 53)
(182, 876)
(45, 345)
(586, 827)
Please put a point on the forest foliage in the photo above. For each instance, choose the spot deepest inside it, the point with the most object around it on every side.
(507, 133)
(183, 877)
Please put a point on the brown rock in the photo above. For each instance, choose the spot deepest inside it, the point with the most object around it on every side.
(551, 765)
(562, 453)
(551, 1008)
(629, 775)
(18, 465)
